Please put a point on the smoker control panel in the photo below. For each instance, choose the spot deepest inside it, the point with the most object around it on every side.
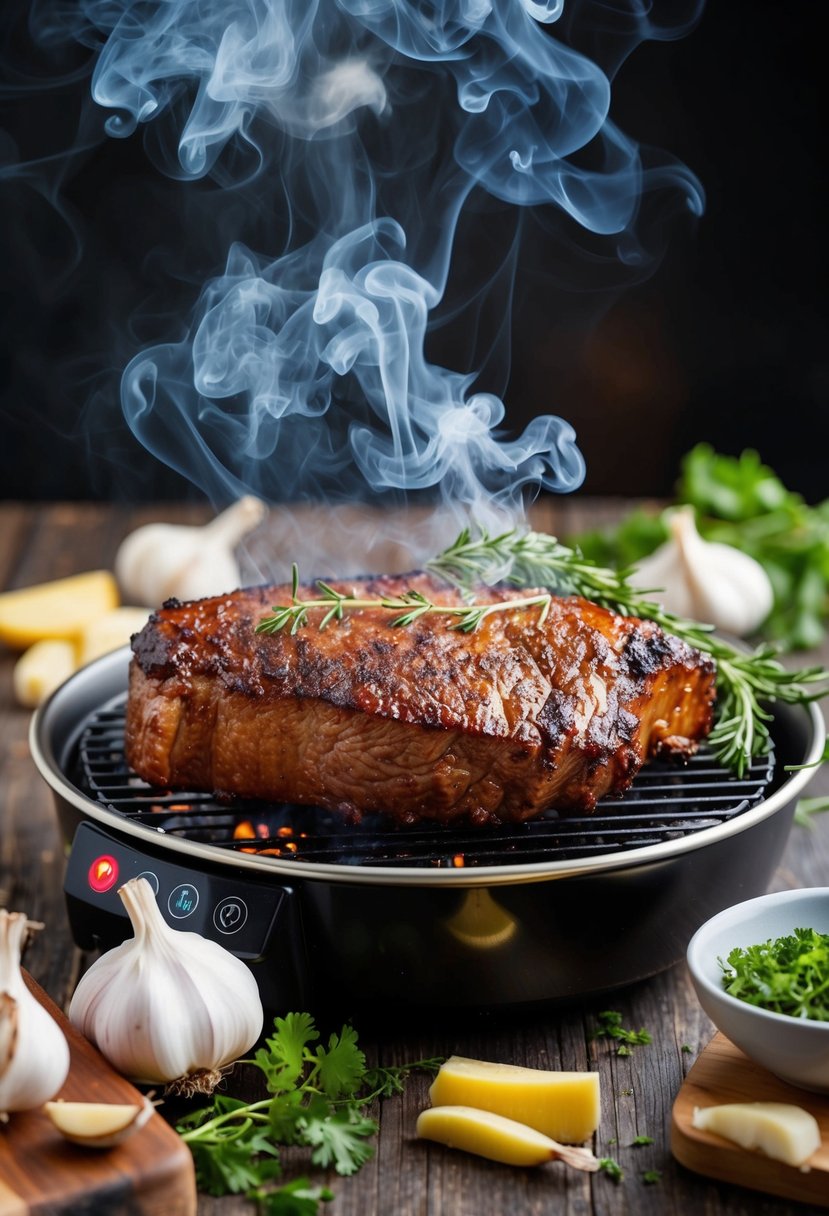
(239, 913)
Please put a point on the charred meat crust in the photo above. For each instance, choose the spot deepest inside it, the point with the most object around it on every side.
(422, 722)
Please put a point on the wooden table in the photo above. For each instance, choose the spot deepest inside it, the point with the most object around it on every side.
(406, 1176)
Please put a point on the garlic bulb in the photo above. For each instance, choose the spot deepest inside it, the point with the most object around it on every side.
(167, 1005)
(706, 581)
(160, 561)
(34, 1054)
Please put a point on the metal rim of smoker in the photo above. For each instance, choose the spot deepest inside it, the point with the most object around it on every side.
(56, 725)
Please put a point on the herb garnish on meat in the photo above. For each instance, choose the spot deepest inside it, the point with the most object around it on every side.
(747, 681)
(410, 606)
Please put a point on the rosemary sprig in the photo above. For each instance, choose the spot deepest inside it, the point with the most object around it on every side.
(410, 606)
(746, 682)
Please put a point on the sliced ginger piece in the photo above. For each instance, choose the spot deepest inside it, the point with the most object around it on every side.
(59, 609)
(563, 1105)
(782, 1131)
(492, 1136)
(98, 1124)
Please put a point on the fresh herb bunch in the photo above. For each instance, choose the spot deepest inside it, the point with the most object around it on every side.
(409, 605)
(739, 501)
(318, 1099)
(788, 975)
(746, 682)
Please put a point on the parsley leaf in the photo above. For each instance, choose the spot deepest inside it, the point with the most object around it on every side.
(339, 1139)
(296, 1198)
(342, 1066)
(611, 1168)
(283, 1058)
(611, 1028)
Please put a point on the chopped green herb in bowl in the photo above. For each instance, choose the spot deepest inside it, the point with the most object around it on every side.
(787, 975)
(761, 972)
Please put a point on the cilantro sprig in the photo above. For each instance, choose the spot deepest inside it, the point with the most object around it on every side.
(318, 1097)
(788, 974)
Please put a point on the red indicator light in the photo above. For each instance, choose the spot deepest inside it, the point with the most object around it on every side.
(103, 873)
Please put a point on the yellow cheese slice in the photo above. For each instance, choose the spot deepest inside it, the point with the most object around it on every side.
(563, 1105)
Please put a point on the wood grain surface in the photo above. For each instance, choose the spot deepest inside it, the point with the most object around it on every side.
(721, 1074)
(149, 1174)
(407, 1177)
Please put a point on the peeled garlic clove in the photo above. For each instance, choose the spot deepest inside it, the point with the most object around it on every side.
(34, 1053)
(778, 1129)
(706, 581)
(160, 561)
(167, 1006)
(98, 1124)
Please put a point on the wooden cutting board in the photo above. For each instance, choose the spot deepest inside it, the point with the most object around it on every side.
(722, 1073)
(42, 1174)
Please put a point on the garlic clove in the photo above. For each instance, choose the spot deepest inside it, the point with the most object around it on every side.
(160, 561)
(167, 1006)
(779, 1129)
(705, 580)
(98, 1124)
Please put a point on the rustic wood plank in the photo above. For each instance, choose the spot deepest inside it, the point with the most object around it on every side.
(724, 1074)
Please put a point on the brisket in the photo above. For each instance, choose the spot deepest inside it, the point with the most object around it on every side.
(420, 722)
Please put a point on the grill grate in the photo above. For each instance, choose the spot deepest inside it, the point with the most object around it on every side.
(664, 803)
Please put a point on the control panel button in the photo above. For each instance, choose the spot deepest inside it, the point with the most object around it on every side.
(151, 878)
(103, 873)
(230, 914)
(183, 901)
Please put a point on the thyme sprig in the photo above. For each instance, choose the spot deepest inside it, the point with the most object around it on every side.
(410, 606)
(747, 682)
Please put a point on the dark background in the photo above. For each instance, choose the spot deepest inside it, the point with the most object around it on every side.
(725, 341)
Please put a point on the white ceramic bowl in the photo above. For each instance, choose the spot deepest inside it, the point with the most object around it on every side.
(795, 1049)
